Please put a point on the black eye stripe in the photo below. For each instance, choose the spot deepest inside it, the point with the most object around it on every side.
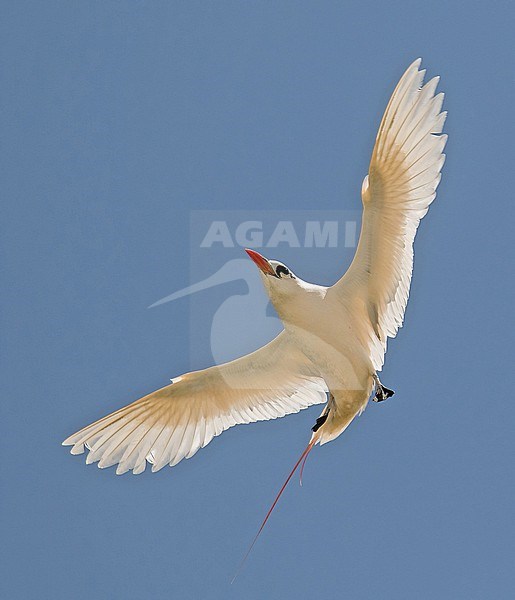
(281, 269)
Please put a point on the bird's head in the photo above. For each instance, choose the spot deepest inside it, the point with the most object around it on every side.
(280, 282)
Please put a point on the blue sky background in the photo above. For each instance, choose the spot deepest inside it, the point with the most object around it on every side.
(117, 120)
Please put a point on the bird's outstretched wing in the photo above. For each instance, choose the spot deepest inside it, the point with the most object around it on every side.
(179, 419)
(401, 183)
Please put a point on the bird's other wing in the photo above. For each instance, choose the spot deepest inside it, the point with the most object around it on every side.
(401, 183)
(179, 419)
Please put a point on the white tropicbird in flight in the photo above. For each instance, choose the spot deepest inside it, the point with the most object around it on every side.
(334, 338)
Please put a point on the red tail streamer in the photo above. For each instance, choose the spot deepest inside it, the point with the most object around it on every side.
(302, 457)
(306, 454)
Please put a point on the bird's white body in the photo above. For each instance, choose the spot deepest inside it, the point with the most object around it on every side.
(335, 348)
(334, 338)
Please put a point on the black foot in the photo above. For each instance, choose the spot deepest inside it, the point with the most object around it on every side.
(382, 393)
(320, 421)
